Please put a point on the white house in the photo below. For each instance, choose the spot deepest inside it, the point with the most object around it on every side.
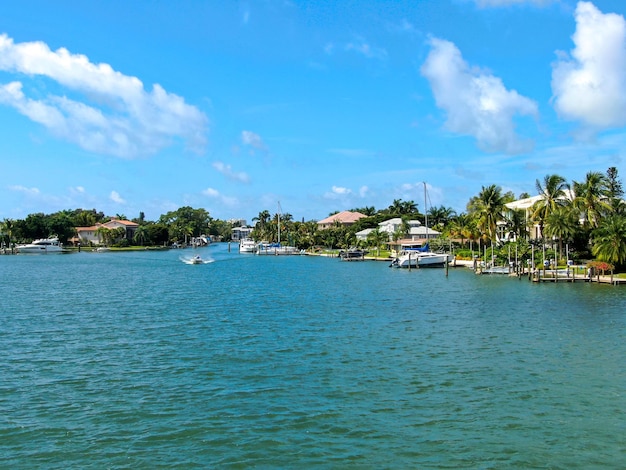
(239, 233)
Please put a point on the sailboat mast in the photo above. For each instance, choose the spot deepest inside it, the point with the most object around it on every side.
(278, 215)
(425, 212)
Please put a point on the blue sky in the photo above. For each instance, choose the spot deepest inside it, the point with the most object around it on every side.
(321, 105)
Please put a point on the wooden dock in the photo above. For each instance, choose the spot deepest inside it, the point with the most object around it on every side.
(539, 276)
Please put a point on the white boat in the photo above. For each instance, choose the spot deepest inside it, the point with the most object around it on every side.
(421, 257)
(247, 245)
(196, 260)
(42, 246)
(265, 248)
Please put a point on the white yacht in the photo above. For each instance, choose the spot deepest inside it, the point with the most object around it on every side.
(265, 248)
(42, 246)
(247, 245)
(421, 258)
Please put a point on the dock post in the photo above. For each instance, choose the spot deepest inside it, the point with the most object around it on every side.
(448, 262)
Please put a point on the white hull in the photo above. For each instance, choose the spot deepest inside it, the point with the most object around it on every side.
(247, 245)
(421, 260)
(42, 246)
(277, 250)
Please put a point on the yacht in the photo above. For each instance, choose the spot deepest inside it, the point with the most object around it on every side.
(42, 245)
(247, 245)
(421, 258)
(265, 248)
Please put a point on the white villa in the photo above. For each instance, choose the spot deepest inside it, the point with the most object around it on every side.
(526, 205)
(418, 234)
(239, 233)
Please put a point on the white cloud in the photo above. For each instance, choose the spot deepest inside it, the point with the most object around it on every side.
(123, 119)
(506, 3)
(227, 171)
(476, 102)
(590, 85)
(215, 194)
(115, 197)
(360, 46)
(253, 140)
(24, 189)
(363, 191)
(340, 190)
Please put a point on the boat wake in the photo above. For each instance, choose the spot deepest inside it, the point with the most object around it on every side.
(195, 260)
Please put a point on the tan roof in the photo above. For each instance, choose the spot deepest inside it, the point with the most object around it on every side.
(128, 223)
(344, 217)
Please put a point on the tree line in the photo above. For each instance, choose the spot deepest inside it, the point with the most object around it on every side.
(173, 227)
(577, 220)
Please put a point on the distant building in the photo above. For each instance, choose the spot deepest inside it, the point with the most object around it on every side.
(89, 234)
(526, 205)
(345, 218)
(239, 233)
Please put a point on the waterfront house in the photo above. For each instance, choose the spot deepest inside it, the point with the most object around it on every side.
(345, 218)
(89, 235)
(526, 205)
(239, 233)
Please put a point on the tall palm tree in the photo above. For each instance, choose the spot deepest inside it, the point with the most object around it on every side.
(488, 207)
(458, 227)
(553, 194)
(141, 235)
(6, 227)
(591, 198)
(516, 224)
(609, 240)
(377, 237)
(396, 207)
(562, 223)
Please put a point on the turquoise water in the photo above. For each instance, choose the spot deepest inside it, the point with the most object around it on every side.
(138, 360)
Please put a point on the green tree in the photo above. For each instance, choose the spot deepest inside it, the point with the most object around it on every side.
(377, 238)
(104, 235)
(562, 224)
(61, 225)
(141, 235)
(609, 240)
(488, 208)
(553, 194)
(591, 198)
(615, 190)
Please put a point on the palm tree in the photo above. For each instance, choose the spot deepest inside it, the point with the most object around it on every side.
(553, 194)
(141, 235)
(488, 207)
(609, 240)
(591, 198)
(396, 207)
(6, 227)
(408, 207)
(104, 235)
(458, 227)
(516, 224)
(377, 237)
(563, 224)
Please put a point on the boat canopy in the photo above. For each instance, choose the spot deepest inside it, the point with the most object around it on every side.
(422, 249)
